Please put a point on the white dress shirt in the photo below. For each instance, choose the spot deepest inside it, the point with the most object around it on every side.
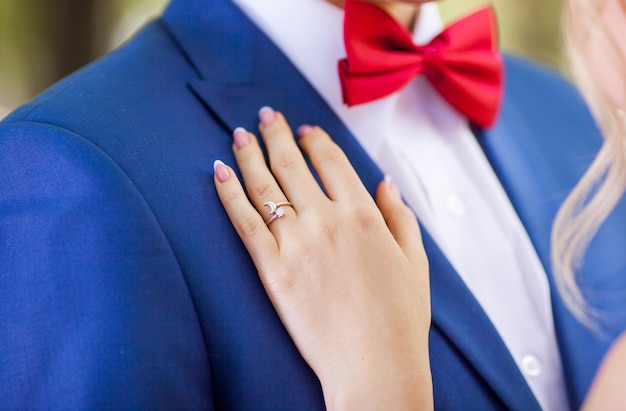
(428, 149)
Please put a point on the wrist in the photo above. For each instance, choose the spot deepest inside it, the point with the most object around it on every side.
(402, 385)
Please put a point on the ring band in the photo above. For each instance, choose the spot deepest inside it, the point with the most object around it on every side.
(275, 210)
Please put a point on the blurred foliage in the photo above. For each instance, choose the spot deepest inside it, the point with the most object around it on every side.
(530, 28)
(44, 40)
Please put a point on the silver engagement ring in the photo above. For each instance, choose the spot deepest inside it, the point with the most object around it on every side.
(275, 210)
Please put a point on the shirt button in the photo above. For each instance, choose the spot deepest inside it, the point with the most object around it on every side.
(455, 205)
(531, 366)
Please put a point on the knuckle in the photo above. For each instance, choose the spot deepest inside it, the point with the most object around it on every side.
(328, 232)
(281, 285)
(405, 214)
(229, 198)
(318, 144)
(365, 217)
(284, 163)
(261, 190)
(249, 226)
(329, 153)
(323, 229)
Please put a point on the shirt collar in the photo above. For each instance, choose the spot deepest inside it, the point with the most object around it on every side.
(310, 34)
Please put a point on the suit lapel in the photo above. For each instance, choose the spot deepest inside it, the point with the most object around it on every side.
(458, 315)
(240, 72)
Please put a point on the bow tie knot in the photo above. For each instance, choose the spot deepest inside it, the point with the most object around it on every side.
(461, 63)
(433, 60)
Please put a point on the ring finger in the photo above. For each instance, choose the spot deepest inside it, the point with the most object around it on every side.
(261, 186)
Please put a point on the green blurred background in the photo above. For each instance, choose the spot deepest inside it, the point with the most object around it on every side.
(44, 40)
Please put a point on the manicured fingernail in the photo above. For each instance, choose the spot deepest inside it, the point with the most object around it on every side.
(304, 129)
(267, 115)
(393, 188)
(221, 172)
(241, 137)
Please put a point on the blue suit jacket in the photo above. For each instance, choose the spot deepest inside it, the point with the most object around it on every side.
(124, 286)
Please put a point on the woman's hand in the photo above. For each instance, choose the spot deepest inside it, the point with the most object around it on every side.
(348, 279)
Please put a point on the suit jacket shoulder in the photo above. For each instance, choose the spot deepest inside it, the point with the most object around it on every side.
(92, 295)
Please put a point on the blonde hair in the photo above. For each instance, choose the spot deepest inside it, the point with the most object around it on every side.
(603, 184)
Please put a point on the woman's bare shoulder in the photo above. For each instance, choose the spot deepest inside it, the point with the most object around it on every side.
(607, 391)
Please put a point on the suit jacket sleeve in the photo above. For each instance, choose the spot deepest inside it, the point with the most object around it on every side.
(94, 309)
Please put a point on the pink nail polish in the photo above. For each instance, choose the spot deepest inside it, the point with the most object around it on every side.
(221, 172)
(267, 115)
(393, 188)
(304, 130)
(241, 137)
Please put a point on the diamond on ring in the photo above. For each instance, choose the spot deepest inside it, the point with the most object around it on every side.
(275, 210)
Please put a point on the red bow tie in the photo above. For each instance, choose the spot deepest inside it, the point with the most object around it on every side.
(462, 62)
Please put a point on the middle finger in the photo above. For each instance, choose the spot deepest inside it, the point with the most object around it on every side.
(286, 160)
